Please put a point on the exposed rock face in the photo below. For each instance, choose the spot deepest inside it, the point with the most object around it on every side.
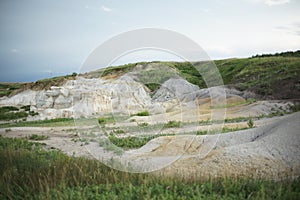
(85, 97)
(177, 88)
(271, 152)
(27, 97)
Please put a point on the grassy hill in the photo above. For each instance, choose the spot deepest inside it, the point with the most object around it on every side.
(272, 76)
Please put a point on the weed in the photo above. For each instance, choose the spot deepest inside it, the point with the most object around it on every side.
(143, 113)
(132, 120)
(102, 121)
(118, 131)
(250, 123)
(172, 124)
(144, 124)
(38, 137)
(7, 130)
(26, 108)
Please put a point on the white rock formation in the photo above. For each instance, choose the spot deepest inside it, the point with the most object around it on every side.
(84, 97)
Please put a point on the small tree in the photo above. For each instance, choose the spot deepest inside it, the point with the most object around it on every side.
(250, 123)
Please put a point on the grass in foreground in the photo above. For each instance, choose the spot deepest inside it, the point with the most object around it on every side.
(28, 172)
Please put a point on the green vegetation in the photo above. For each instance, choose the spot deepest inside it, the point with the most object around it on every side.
(129, 142)
(29, 172)
(154, 78)
(5, 109)
(38, 137)
(11, 113)
(268, 75)
(7, 88)
(250, 123)
(26, 108)
(265, 76)
(283, 54)
(144, 124)
(41, 123)
(133, 142)
(7, 130)
(295, 108)
(111, 119)
(118, 131)
(143, 113)
(102, 121)
(109, 146)
(224, 130)
(172, 124)
(113, 70)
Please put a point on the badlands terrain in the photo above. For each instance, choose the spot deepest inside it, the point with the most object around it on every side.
(159, 117)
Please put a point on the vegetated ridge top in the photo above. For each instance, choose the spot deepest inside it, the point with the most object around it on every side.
(271, 76)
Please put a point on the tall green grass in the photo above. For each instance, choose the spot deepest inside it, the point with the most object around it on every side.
(29, 172)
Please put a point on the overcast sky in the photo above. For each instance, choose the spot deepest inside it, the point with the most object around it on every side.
(45, 38)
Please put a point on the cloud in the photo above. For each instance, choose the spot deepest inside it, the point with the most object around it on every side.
(106, 9)
(14, 50)
(291, 28)
(271, 2)
(206, 10)
(275, 2)
(103, 8)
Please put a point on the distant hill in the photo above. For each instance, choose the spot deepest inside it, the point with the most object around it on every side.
(271, 76)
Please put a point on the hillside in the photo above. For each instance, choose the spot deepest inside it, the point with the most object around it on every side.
(270, 76)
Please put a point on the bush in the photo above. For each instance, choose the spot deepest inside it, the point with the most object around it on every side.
(172, 124)
(26, 108)
(5, 109)
(32, 113)
(143, 113)
(12, 115)
(102, 121)
(38, 137)
(144, 124)
(250, 123)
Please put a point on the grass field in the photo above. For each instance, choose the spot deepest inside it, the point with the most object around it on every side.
(29, 172)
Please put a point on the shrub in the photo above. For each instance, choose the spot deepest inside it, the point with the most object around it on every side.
(201, 132)
(5, 109)
(172, 124)
(12, 115)
(32, 113)
(250, 123)
(38, 137)
(143, 124)
(101, 121)
(143, 113)
(118, 131)
(26, 108)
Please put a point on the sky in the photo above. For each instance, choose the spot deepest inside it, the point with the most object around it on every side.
(46, 38)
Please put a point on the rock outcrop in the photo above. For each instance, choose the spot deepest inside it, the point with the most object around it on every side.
(269, 152)
(84, 97)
